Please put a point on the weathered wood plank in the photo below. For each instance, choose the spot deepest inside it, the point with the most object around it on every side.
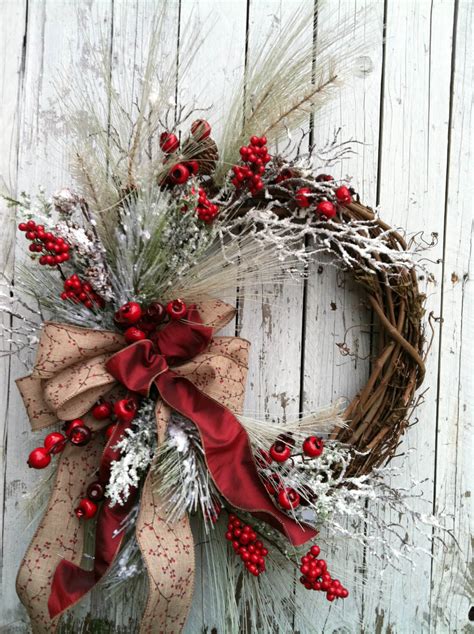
(452, 578)
(12, 32)
(411, 195)
(52, 38)
(335, 312)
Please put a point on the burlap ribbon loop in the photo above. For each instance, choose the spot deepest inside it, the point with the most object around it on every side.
(69, 375)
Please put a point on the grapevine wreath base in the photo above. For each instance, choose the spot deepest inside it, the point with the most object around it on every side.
(127, 275)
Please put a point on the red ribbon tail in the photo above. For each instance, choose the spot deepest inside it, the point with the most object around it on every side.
(71, 582)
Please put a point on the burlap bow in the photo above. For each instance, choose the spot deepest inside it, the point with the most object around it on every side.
(70, 374)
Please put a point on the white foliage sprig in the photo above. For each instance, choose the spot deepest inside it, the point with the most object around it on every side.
(137, 447)
(183, 476)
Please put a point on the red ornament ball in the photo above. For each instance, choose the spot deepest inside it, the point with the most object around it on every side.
(126, 409)
(179, 174)
(288, 499)
(326, 208)
(313, 446)
(128, 314)
(156, 312)
(102, 411)
(280, 452)
(86, 509)
(80, 435)
(39, 458)
(169, 142)
(343, 195)
(200, 129)
(95, 491)
(134, 334)
(176, 309)
(54, 442)
(302, 197)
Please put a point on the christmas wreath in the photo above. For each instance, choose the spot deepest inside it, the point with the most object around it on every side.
(127, 275)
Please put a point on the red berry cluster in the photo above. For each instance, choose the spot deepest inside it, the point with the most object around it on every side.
(315, 576)
(81, 292)
(206, 210)
(245, 543)
(169, 143)
(283, 448)
(324, 208)
(255, 156)
(55, 250)
(87, 507)
(77, 433)
(140, 323)
(122, 411)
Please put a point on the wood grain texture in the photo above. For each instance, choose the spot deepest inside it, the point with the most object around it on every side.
(410, 104)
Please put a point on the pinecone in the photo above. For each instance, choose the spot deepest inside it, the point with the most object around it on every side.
(205, 152)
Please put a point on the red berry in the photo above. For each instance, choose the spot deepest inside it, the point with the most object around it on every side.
(313, 446)
(200, 129)
(95, 491)
(156, 312)
(176, 309)
(86, 509)
(39, 458)
(321, 178)
(69, 426)
(169, 142)
(22, 226)
(302, 197)
(128, 314)
(326, 208)
(31, 224)
(315, 550)
(79, 435)
(101, 411)
(134, 334)
(30, 235)
(54, 442)
(126, 409)
(193, 167)
(343, 195)
(179, 174)
(288, 499)
(280, 452)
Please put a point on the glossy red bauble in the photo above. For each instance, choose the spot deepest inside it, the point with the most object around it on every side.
(86, 509)
(156, 312)
(68, 427)
(200, 129)
(80, 435)
(54, 442)
(128, 314)
(302, 197)
(280, 452)
(288, 499)
(39, 458)
(126, 409)
(326, 208)
(343, 195)
(176, 309)
(102, 411)
(95, 492)
(313, 446)
(179, 174)
(169, 142)
(193, 167)
(134, 334)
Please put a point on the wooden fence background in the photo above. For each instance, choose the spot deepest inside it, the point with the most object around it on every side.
(410, 105)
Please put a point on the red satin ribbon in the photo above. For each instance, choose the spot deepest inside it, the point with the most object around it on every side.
(226, 445)
(70, 582)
